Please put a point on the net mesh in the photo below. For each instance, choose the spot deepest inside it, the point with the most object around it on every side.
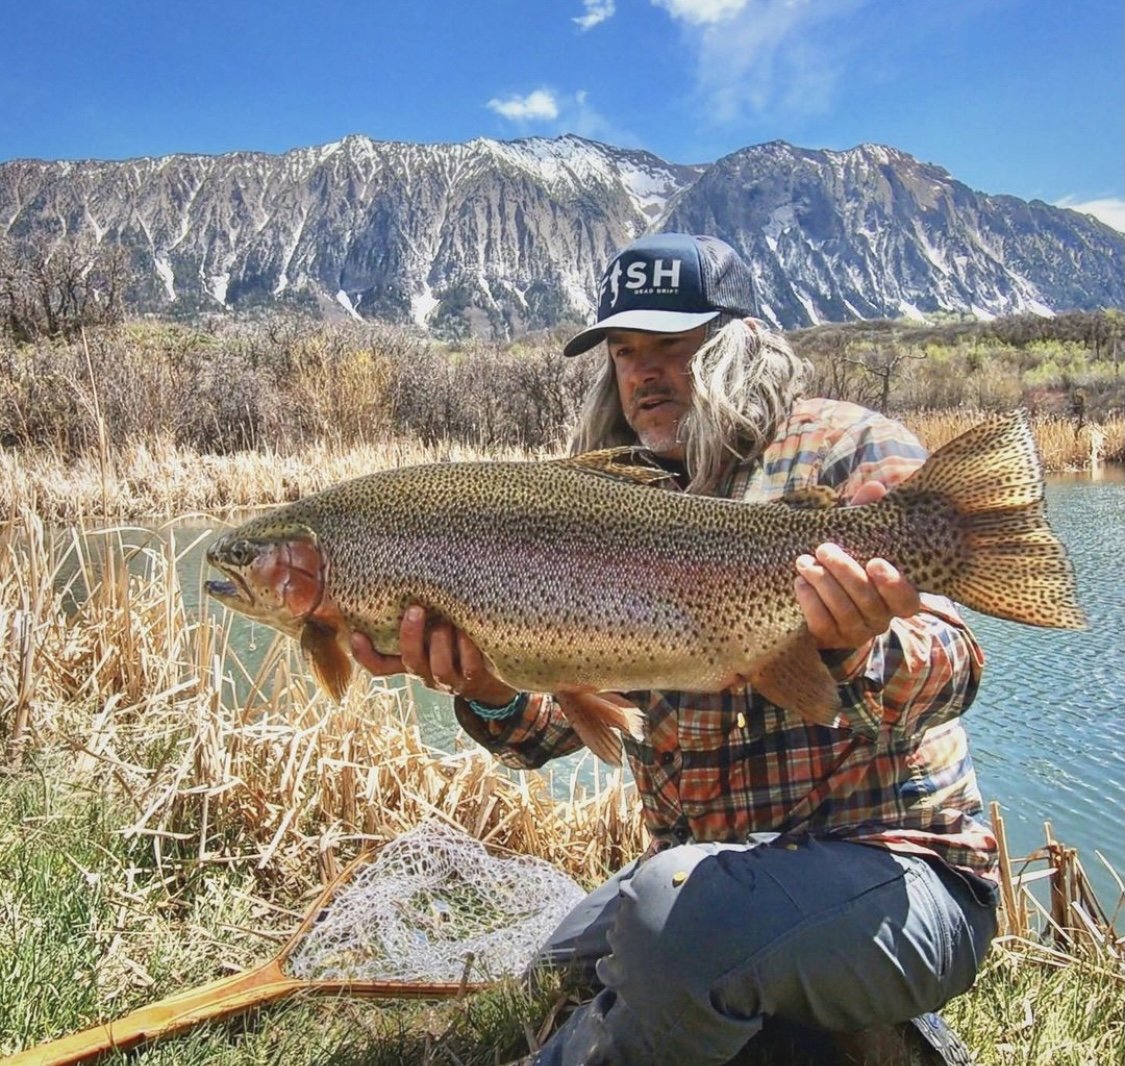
(433, 906)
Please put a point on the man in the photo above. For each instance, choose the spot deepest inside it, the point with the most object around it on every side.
(838, 877)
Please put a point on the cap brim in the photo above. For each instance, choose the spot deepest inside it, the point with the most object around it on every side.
(646, 321)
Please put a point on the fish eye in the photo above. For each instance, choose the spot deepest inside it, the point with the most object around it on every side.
(241, 553)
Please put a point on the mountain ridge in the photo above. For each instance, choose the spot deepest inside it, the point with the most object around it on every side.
(494, 238)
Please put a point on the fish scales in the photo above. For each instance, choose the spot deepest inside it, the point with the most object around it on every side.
(581, 577)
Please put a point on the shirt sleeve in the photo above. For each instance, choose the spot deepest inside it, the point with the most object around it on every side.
(925, 670)
(527, 739)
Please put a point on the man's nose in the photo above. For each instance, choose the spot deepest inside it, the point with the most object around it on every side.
(648, 365)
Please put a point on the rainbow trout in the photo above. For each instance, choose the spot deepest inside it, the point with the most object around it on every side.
(578, 577)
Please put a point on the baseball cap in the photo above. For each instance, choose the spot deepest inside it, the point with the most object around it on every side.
(668, 283)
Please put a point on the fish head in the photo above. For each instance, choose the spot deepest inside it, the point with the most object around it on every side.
(273, 574)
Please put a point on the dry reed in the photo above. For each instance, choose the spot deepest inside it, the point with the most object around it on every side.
(159, 477)
(1063, 443)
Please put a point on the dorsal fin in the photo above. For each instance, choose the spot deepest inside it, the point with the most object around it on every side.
(621, 464)
(810, 498)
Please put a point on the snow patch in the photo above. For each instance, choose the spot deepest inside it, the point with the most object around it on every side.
(769, 314)
(422, 305)
(217, 285)
(345, 302)
(809, 306)
(907, 310)
(167, 276)
(781, 219)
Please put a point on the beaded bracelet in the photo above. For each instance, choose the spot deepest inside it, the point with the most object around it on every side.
(494, 714)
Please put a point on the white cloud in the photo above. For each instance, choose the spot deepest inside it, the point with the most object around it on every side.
(701, 12)
(1107, 209)
(596, 11)
(764, 55)
(537, 106)
(562, 113)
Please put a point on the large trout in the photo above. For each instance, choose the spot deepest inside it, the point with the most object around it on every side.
(577, 577)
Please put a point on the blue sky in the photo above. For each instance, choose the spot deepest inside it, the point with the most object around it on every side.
(1011, 96)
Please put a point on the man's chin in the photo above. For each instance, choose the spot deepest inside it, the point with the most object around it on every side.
(662, 447)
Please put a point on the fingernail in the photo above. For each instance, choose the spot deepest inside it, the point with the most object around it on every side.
(805, 562)
(414, 613)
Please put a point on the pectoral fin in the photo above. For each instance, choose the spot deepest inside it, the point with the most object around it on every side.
(599, 718)
(793, 675)
(330, 663)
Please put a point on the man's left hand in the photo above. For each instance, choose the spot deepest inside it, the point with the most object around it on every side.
(846, 605)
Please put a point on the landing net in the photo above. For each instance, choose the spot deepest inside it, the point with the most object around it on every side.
(432, 906)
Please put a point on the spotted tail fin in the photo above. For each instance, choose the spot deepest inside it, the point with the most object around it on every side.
(1010, 565)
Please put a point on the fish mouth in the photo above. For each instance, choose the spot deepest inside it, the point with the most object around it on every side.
(232, 590)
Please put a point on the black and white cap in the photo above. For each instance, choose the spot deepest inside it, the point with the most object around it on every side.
(669, 283)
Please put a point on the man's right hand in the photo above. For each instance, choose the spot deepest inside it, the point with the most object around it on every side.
(443, 658)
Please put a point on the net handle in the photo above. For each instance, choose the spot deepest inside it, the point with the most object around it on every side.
(228, 996)
(216, 999)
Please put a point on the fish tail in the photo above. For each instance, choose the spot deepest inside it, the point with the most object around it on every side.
(1006, 560)
(599, 719)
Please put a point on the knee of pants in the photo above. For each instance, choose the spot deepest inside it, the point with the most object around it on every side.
(659, 938)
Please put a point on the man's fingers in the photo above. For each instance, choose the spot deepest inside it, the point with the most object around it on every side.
(849, 593)
(821, 624)
(899, 595)
(367, 657)
(444, 667)
(469, 657)
(412, 643)
(868, 492)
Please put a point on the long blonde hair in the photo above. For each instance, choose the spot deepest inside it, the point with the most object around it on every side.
(744, 380)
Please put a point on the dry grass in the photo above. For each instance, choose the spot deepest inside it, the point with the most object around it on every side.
(161, 478)
(1062, 443)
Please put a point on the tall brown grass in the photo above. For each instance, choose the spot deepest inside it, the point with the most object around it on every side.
(160, 478)
(225, 781)
(1064, 443)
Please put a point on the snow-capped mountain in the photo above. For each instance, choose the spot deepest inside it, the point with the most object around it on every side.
(498, 237)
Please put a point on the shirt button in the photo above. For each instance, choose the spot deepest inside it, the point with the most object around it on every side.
(668, 758)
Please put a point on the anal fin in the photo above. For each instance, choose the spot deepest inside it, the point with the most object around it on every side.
(793, 675)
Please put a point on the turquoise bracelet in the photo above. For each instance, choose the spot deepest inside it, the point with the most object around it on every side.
(494, 714)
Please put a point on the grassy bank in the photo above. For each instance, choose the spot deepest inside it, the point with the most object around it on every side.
(157, 831)
(166, 816)
(89, 929)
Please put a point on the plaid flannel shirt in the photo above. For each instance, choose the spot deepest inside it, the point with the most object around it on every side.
(894, 769)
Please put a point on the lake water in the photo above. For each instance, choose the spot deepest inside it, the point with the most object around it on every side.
(1047, 726)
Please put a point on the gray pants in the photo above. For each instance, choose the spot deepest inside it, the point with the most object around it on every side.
(696, 946)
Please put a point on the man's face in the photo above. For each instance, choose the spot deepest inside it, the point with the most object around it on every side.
(653, 383)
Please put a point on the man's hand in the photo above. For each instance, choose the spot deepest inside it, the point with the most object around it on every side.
(847, 605)
(444, 659)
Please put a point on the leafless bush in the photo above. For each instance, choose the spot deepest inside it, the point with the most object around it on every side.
(56, 286)
(490, 396)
